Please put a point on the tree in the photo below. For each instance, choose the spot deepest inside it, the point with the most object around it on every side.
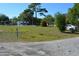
(36, 8)
(72, 16)
(76, 9)
(4, 19)
(60, 21)
(50, 19)
(26, 15)
(14, 20)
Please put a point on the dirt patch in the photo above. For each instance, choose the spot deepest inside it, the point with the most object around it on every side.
(2, 31)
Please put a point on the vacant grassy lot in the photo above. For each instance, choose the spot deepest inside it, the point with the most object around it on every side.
(32, 33)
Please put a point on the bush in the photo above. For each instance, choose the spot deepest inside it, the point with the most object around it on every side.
(44, 23)
(50, 19)
(60, 21)
(36, 21)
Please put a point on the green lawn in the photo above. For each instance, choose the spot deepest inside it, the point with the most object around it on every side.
(32, 33)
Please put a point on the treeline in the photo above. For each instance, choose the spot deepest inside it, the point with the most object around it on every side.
(71, 17)
(30, 15)
(4, 20)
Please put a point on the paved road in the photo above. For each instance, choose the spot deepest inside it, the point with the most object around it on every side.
(67, 47)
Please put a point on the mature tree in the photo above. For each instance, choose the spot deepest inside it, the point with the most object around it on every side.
(73, 14)
(50, 19)
(4, 19)
(71, 17)
(36, 8)
(14, 20)
(26, 15)
(60, 21)
(76, 9)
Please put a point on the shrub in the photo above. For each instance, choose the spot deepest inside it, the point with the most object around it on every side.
(44, 23)
(60, 21)
(50, 19)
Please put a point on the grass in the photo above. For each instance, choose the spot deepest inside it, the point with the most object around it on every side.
(32, 34)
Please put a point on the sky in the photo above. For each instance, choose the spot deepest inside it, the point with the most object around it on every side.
(14, 9)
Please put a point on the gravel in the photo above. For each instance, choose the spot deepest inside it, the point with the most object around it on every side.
(65, 47)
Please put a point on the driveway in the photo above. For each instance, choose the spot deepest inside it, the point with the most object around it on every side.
(65, 47)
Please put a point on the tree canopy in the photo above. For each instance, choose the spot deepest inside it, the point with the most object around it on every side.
(4, 19)
(50, 19)
(73, 14)
(36, 8)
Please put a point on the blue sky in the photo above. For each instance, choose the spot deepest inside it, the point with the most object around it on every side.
(14, 9)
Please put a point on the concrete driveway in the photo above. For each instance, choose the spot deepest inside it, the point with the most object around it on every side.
(66, 47)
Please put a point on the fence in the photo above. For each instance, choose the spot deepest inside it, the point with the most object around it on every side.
(7, 34)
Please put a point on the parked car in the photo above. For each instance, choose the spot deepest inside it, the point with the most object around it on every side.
(71, 28)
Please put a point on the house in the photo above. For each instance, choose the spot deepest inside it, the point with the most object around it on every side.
(22, 22)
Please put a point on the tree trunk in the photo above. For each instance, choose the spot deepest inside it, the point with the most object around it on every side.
(35, 14)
